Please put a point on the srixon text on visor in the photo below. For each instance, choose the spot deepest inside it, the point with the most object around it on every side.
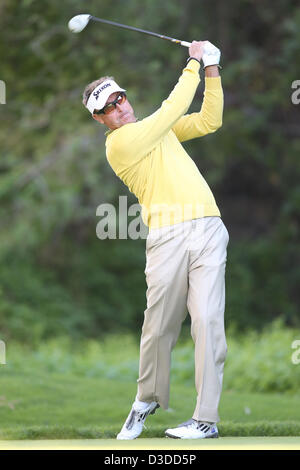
(97, 93)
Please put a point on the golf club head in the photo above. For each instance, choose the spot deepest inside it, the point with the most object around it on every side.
(78, 23)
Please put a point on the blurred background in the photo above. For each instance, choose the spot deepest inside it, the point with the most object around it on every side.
(57, 279)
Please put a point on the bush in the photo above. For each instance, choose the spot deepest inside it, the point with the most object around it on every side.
(256, 362)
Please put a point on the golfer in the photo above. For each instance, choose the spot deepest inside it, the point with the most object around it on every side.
(187, 240)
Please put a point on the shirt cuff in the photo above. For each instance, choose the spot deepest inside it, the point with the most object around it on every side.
(193, 64)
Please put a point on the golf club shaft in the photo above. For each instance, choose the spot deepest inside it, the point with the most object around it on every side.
(150, 33)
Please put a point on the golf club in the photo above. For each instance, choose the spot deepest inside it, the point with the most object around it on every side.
(79, 22)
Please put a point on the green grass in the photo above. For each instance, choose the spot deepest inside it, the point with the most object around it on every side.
(157, 444)
(57, 406)
(64, 390)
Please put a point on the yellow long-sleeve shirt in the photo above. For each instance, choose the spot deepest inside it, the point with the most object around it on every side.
(148, 157)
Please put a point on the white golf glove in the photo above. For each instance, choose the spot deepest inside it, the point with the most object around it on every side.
(211, 54)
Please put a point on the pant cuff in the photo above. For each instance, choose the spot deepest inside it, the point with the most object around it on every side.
(209, 415)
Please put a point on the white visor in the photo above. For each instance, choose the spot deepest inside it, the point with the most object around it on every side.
(99, 96)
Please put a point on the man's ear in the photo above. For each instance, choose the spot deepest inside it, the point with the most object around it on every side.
(98, 118)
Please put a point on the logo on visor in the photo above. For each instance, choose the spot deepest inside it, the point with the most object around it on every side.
(97, 93)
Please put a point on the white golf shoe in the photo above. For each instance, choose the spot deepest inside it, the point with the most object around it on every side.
(193, 429)
(135, 421)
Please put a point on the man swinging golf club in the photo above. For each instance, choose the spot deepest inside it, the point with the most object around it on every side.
(187, 241)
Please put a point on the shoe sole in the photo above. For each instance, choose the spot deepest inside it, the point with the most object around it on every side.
(213, 436)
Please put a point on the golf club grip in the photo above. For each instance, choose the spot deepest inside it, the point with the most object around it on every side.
(185, 44)
(132, 28)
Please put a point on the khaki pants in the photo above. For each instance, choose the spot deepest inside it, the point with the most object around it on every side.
(185, 270)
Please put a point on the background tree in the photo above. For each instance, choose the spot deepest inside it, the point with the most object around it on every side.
(56, 277)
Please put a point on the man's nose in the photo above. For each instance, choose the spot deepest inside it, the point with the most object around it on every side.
(118, 107)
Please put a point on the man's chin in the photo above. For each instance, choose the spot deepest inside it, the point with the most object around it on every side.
(127, 118)
(125, 115)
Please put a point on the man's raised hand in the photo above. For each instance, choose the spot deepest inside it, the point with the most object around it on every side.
(196, 49)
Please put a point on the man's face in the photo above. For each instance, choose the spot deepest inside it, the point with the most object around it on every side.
(122, 114)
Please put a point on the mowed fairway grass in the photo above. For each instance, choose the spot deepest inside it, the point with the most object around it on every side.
(156, 444)
(44, 405)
